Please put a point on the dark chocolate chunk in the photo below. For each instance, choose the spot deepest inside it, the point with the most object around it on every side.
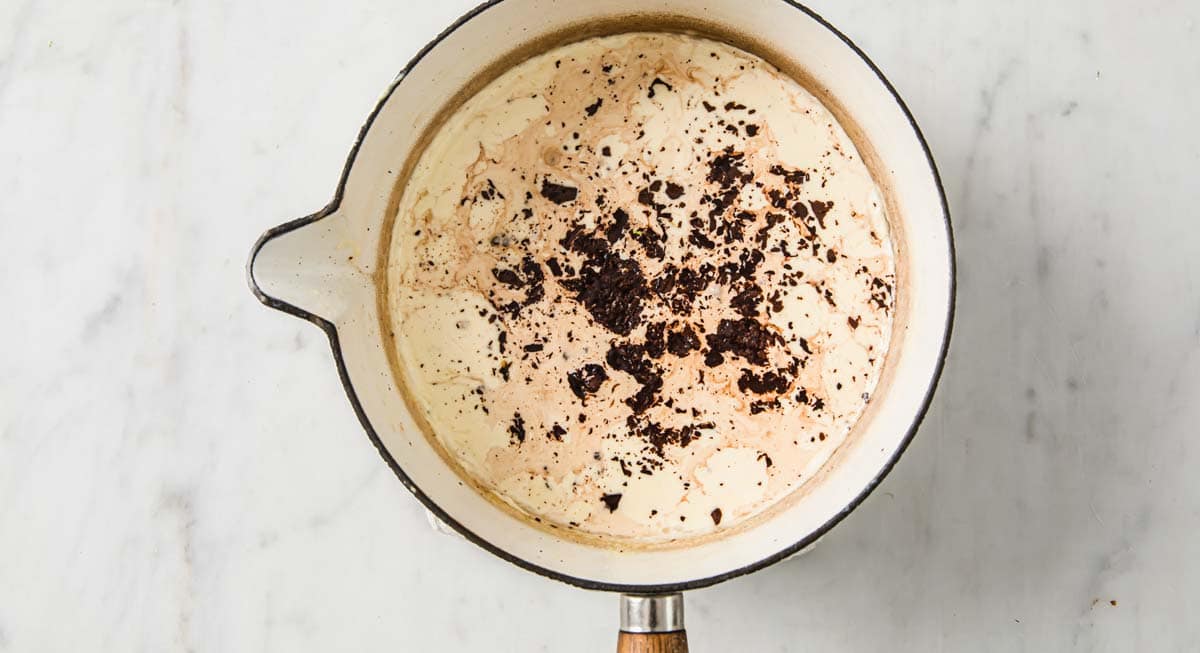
(611, 501)
(612, 292)
(682, 342)
(631, 359)
(656, 82)
(766, 383)
(777, 198)
(517, 428)
(821, 208)
(618, 227)
(655, 340)
(587, 380)
(700, 240)
(594, 107)
(726, 169)
(508, 278)
(650, 242)
(746, 302)
(674, 190)
(647, 396)
(791, 176)
(558, 193)
(665, 281)
(659, 437)
(716, 516)
(746, 338)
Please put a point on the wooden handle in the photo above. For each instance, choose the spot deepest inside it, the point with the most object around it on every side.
(652, 642)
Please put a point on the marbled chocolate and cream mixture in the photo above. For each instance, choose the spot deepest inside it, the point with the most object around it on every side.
(641, 286)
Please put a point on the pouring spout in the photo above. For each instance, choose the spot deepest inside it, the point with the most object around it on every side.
(305, 268)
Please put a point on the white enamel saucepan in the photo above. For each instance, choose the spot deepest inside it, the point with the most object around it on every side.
(327, 268)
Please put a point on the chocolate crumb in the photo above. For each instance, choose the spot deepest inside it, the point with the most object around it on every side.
(594, 107)
(716, 516)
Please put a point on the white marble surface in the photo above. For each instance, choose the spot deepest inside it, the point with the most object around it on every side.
(179, 470)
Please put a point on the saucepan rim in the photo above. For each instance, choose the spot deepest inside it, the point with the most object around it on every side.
(331, 332)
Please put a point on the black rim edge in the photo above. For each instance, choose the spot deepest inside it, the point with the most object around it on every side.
(331, 332)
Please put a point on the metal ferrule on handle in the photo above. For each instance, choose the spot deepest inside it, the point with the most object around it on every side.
(660, 613)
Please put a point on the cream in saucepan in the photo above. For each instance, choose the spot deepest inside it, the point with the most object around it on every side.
(641, 286)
